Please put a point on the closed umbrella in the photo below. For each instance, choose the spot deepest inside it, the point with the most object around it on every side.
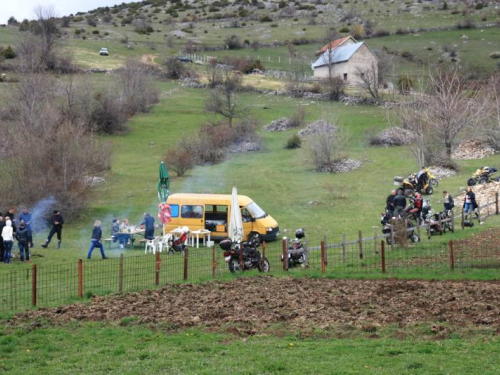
(163, 183)
(235, 221)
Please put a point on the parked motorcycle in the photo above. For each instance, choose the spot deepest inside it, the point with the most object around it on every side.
(483, 175)
(252, 259)
(410, 186)
(386, 219)
(297, 254)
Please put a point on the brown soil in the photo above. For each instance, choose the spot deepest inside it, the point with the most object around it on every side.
(261, 302)
(149, 59)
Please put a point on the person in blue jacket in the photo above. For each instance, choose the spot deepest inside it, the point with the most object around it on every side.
(96, 240)
(27, 218)
(149, 226)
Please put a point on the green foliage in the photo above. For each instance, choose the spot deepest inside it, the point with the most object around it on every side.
(266, 19)
(8, 53)
(405, 84)
(293, 142)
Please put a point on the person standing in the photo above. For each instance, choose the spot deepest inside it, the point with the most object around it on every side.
(2, 224)
(11, 214)
(8, 240)
(124, 235)
(57, 226)
(96, 240)
(448, 201)
(149, 226)
(115, 230)
(399, 203)
(23, 241)
(26, 217)
(390, 202)
(470, 203)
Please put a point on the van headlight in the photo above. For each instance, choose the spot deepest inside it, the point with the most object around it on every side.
(269, 229)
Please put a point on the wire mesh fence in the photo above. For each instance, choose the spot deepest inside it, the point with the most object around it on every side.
(57, 284)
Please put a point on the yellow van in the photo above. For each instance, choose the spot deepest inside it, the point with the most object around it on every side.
(212, 212)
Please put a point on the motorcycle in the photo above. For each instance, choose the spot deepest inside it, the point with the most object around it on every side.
(297, 254)
(409, 214)
(483, 175)
(410, 185)
(251, 257)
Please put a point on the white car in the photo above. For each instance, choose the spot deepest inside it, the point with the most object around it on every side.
(104, 52)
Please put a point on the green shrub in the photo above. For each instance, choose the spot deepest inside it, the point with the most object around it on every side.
(96, 32)
(405, 84)
(344, 29)
(293, 142)
(8, 53)
(266, 19)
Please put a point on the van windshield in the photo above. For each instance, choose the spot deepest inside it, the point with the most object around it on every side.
(256, 211)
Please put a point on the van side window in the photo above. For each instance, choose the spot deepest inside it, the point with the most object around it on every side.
(192, 212)
(174, 210)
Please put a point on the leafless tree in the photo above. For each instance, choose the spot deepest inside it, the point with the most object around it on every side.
(223, 100)
(439, 116)
(369, 79)
(214, 73)
(48, 33)
(333, 85)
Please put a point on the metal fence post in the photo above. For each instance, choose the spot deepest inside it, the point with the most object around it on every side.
(157, 268)
(496, 203)
(452, 256)
(323, 264)
(285, 254)
(120, 274)
(382, 250)
(33, 285)
(214, 262)
(186, 263)
(360, 234)
(263, 254)
(80, 278)
(344, 247)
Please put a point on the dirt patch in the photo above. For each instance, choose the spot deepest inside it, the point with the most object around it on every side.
(259, 303)
(149, 59)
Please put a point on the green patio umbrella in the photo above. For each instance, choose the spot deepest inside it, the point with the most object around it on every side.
(163, 183)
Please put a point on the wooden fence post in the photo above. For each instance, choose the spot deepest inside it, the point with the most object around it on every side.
(33, 285)
(285, 254)
(120, 274)
(382, 249)
(323, 264)
(186, 263)
(360, 240)
(452, 256)
(375, 240)
(263, 254)
(214, 262)
(80, 278)
(157, 268)
(496, 203)
(463, 218)
(344, 248)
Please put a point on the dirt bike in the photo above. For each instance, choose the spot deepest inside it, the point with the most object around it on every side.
(483, 176)
(387, 218)
(297, 254)
(251, 257)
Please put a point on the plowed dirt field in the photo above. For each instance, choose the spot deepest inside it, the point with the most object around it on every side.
(299, 303)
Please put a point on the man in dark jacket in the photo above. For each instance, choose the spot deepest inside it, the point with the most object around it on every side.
(448, 201)
(149, 226)
(399, 203)
(57, 226)
(96, 240)
(390, 202)
(27, 217)
(23, 238)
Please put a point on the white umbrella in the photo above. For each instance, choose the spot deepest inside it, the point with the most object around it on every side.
(235, 221)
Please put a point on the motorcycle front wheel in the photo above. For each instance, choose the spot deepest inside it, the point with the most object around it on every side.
(434, 183)
(471, 182)
(234, 265)
(266, 267)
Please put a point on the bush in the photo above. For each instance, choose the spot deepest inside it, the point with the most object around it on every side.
(408, 55)
(344, 29)
(405, 84)
(174, 68)
(293, 142)
(91, 22)
(266, 19)
(298, 117)
(95, 32)
(108, 116)
(381, 33)
(233, 42)
(179, 160)
(467, 23)
(401, 31)
(8, 53)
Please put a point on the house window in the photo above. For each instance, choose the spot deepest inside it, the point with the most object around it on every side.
(345, 77)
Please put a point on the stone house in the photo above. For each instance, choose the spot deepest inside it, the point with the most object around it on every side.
(348, 59)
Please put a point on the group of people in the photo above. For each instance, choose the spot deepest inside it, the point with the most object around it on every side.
(20, 229)
(11, 229)
(397, 204)
(120, 232)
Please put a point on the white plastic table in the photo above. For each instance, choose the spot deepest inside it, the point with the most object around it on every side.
(205, 235)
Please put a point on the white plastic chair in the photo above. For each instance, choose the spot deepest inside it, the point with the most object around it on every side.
(164, 242)
(152, 245)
